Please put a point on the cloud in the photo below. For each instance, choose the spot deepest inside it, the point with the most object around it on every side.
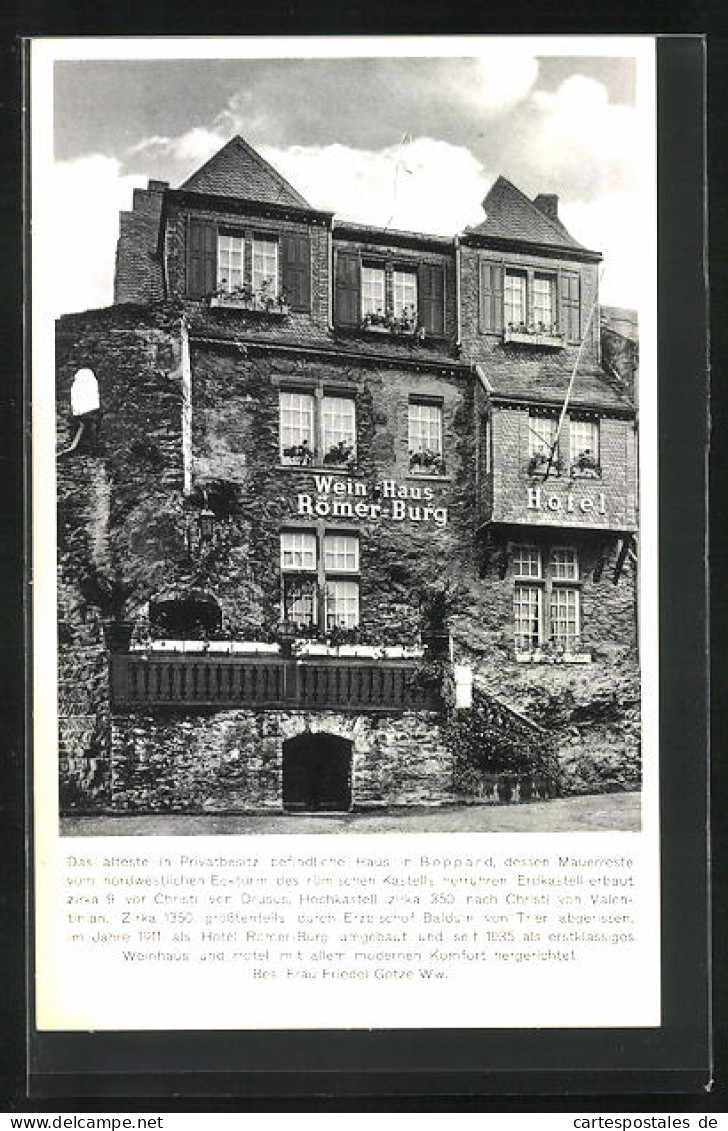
(422, 185)
(195, 145)
(505, 74)
(573, 141)
(80, 226)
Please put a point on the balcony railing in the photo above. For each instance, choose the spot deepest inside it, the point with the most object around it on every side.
(266, 682)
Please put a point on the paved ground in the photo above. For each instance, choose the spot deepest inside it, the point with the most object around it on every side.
(611, 812)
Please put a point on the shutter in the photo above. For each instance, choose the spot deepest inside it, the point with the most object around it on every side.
(570, 306)
(296, 270)
(491, 296)
(201, 258)
(431, 298)
(347, 301)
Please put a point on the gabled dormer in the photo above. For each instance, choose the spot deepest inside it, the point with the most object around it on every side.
(532, 283)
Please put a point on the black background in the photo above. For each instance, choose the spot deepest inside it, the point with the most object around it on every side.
(663, 1070)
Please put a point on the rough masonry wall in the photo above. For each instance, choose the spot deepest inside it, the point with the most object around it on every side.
(138, 276)
(234, 760)
(236, 439)
(120, 515)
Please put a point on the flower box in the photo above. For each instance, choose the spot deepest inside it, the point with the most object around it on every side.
(251, 304)
(524, 336)
(543, 657)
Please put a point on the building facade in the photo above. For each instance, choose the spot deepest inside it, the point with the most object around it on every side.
(353, 522)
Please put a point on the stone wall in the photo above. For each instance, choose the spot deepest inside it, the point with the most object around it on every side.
(232, 761)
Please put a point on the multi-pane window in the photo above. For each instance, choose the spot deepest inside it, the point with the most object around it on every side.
(546, 601)
(564, 611)
(425, 438)
(297, 428)
(564, 564)
(541, 434)
(265, 268)
(514, 299)
(583, 440)
(543, 302)
(341, 553)
(317, 429)
(339, 428)
(527, 561)
(404, 293)
(319, 582)
(341, 604)
(230, 257)
(372, 291)
(298, 550)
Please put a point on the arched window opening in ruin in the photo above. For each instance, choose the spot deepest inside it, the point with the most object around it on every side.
(85, 413)
(189, 615)
(317, 773)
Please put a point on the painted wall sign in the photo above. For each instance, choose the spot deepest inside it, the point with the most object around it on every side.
(388, 500)
(538, 499)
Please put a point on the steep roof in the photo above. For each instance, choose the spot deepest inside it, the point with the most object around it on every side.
(510, 215)
(237, 170)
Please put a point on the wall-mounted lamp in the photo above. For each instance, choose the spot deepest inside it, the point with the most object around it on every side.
(206, 524)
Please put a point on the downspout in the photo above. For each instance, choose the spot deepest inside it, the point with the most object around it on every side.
(186, 374)
(330, 288)
(458, 317)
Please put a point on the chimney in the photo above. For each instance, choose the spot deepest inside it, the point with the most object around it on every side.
(548, 203)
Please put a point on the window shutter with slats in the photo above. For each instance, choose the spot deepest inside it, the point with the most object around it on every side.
(491, 296)
(347, 300)
(201, 258)
(570, 306)
(296, 270)
(431, 298)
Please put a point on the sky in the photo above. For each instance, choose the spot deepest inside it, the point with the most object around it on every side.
(411, 143)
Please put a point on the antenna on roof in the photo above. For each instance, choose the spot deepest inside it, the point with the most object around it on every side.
(406, 139)
(562, 414)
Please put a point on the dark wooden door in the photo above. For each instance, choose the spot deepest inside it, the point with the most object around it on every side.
(317, 773)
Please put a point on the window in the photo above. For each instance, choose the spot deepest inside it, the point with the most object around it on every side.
(341, 553)
(318, 582)
(372, 291)
(544, 302)
(584, 446)
(404, 293)
(342, 604)
(339, 429)
(546, 604)
(298, 550)
(297, 439)
(527, 561)
(425, 438)
(265, 268)
(541, 435)
(317, 428)
(230, 258)
(565, 618)
(515, 299)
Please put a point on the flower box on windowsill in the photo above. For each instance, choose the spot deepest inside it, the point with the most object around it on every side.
(251, 304)
(533, 336)
(539, 656)
(583, 469)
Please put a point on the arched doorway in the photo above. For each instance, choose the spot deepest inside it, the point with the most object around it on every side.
(317, 773)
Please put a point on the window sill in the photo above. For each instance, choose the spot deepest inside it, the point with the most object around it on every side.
(544, 658)
(542, 340)
(585, 473)
(417, 477)
(317, 469)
